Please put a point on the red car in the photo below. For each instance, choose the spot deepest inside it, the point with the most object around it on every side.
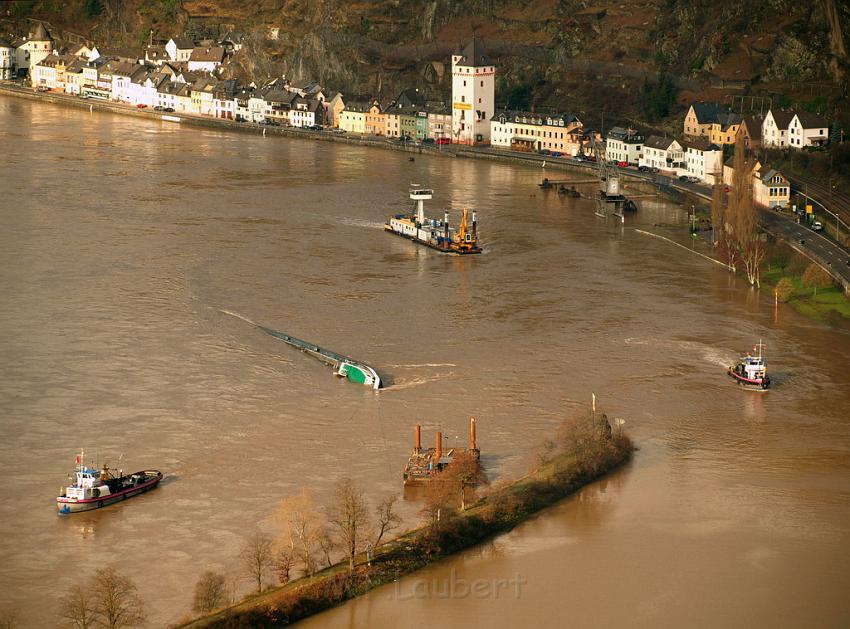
(141, 105)
(444, 140)
(623, 164)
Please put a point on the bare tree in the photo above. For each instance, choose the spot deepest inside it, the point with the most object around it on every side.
(348, 516)
(76, 608)
(283, 561)
(388, 519)
(326, 543)
(301, 525)
(465, 473)
(438, 503)
(256, 555)
(115, 600)
(210, 592)
(716, 211)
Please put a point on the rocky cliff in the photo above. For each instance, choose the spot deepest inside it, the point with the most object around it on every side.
(639, 61)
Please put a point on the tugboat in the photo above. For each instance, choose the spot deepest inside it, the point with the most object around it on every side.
(750, 372)
(433, 232)
(93, 489)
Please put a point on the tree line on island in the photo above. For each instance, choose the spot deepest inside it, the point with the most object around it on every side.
(323, 556)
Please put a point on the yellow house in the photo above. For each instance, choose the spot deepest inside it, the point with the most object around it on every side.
(334, 106)
(392, 120)
(525, 131)
(201, 96)
(713, 122)
(375, 122)
(353, 118)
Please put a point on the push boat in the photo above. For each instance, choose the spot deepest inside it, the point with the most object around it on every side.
(751, 372)
(433, 232)
(94, 488)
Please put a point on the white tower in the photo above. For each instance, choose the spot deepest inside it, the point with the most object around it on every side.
(473, 95)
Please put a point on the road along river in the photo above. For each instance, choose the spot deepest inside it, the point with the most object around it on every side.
(124, 240)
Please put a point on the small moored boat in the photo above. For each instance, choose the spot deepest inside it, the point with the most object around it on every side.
(94, 488)
(750, 371)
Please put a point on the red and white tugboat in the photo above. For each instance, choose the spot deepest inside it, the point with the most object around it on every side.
(93, 489)
(751, 372)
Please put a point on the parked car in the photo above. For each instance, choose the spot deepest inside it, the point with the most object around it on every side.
(427, 140)
(314, 127)
(444, 140)
(684, 178)
(169, 109)
(338, 130)
(590, 158)
(556, 154)
(655, 169)
(817, 226)
(623, 164)
(644, 169)
(43, 88)
(579, 157)
(141, 106)
(544, 151)
(158, 108)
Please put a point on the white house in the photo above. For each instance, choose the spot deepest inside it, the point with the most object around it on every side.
(473, 95)
(206, 59)
(7, 60)
(807, 129)
(35, 47)
(233, 41)
(624, 145)
(80, 50)
(774, 129)
(179, 48)
(704, 161)
(662, 153)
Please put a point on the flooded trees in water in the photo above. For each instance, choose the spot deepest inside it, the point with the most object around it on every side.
(256, 556)
(108, 599)
(210, 592)
(464, 475)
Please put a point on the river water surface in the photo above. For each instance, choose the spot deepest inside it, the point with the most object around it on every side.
(126, 242)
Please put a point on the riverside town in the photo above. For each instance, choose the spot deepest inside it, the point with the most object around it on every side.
(479, 314)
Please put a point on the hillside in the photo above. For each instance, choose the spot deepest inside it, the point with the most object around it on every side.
(638, 62)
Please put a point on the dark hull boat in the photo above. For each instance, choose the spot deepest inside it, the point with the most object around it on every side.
(93, 489)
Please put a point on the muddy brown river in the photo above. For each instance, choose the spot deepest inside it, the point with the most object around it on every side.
(124, 244)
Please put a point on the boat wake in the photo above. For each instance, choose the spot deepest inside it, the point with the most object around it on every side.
(239, 316)
(359, 222)
(415, 382)
(422, 365)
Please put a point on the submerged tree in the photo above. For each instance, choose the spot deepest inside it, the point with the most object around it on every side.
(76, 608)
(741, 224)
(464, 473)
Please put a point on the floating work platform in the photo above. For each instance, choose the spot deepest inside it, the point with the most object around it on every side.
(343, 366)
(425, 464)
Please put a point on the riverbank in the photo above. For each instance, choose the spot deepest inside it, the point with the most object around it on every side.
(584, 450)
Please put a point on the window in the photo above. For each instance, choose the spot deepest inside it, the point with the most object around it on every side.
(482, 83)
(464, 83)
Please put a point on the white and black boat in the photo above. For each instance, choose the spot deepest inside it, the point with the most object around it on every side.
(93, 488)
(750, 371)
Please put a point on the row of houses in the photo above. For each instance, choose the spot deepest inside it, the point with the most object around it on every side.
(780, 128)
(20, 56)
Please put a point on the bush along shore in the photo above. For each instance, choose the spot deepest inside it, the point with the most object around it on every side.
(584, 449)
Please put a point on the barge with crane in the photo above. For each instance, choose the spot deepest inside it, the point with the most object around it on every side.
(436, 233)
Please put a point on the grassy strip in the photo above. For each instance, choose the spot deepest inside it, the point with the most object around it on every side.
(500, 510)
(821, 304)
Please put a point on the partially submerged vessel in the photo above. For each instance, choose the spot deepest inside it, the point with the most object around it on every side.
(436, 233)
(93, 488)
(343, 366)
(750, 371)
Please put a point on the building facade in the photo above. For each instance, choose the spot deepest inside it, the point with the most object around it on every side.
(473, 95)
